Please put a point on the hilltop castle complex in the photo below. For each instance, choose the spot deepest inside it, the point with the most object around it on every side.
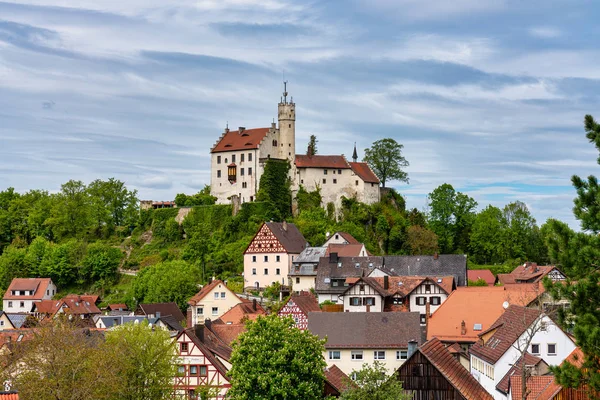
(238, 160)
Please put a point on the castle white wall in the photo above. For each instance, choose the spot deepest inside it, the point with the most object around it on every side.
(334, 184)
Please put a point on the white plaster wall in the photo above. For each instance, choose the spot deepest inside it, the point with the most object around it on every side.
(16, 306)
(330, 192)
(347, 365)
(265, 280)
(209, 301)
(222, 188)
(421, 309)
(378, 307)
(306, 283)
(331, 297)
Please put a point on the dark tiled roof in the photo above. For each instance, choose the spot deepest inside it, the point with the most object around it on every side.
(344, 268)
(530, 360)
(165, 309)
(485, 274)
(404, 285)
(306, 302)
(233, 140)
(364, 172)
(172, 323)
(368, 329)
(441, 265)
(311, 255)
(319, 161)
(347, 250)
(290, 238)
(338, 379)
(506, 330)
(452, 370)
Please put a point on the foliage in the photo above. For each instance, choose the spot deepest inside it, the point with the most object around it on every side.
(421, 241)
(275, 187)
(102, 261)
(202, 198)
(312, 146)
(148, 361)
(587, 202)
(170, 281)
(272, 291)
(386, 160)
(487, 236)
(478, 282)
(373, 383)
(308, 200)
(275, 360)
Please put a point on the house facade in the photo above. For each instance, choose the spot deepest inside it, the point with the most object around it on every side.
(211, 302)
(303, 274)
(298, 306)
(270, 254)
(24, 292)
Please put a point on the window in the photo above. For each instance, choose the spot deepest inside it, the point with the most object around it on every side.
(379, 355)
(423, 319)
(253, 271)
(324, 172)
(232, 173)
(193, 370)
(401, 354)
(10, 303)
(551, 349)
(356, 182)
(274, 143)
(181, 370)
(22, 304)
(335, 181)
(253, 258)
(249, 171)
(324, 180)
(421, 301)
(397, 300)
(183, 347)
(200, 310)
(241, 171)
(242, 157)
(427, 286)
(355, 301)
(535, 349)
(218, 173)
(369, 301)
(266, 258)
(249, 158)
(222, 295)
(361, 287)
(357, 354)
(266, 271)
(218, 159)
(339, 171)
(435, 300)
(215, 311)
(216, 295)
(244, 185)
(233, 158)
(334, 355)
(297, 280)
(48, 292)
(277, 271)
(1, 323)
(203, 370)
(278, 258)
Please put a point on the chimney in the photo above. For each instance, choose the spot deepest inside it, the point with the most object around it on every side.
(386, 282)
(241, 129)
(436, 256)
(333, 257)
(284, 225)
(189, 317)
(273, 125)
(254, 304)
(199, 331)
(208, 323)
(463, 328)
(412, 347)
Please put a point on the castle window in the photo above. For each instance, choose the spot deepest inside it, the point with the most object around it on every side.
(250, 171)
(324, 172)
(218, 159)
(232, 173)
(274, 143)
(218, 173)
(290, 125)
(242, 157)
(233, 158)
(335, 181)
(372, 184)
(251, 198)
(241, 171)
(339, 171)
(249, 156)
(226, 160)
(356, 182)
(334, 171)
(244, 185)
(324, 180)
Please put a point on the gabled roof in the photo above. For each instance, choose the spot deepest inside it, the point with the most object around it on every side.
(485, 274)
(344, 268)
(310, 255)
(347, 237)
(338, 379)
(37, 285)
(535, 384)
(164, 309)
(476, 305)
(189, 332)
(117, 307)
(72, 304)
(347, 250)
(306, 302)
(528, 272)
(171, 322)
(369, 330)
(452, 370)
(440, 265)
(227, 333)
(364, 172)
(233, 140)
(17, 320)
(241, 310)
(505, 331)
(321, 161)
(206, 289)
(516, 369)
(289, 236)
(403, 285)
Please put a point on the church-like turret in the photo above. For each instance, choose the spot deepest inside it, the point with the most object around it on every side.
(287, 127)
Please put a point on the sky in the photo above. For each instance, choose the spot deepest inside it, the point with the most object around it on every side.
(487, 95)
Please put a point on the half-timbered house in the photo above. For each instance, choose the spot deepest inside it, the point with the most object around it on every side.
(200, 365)
(531, 273)
(269, 256)
(298, 306)
(431, 372)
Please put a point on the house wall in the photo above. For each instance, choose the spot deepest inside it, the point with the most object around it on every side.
(368, 291)
(221, 188)
(204, 310)
(5, 322)
(347, 364)
(14, 306)
(336, 238)
(306, 283)
(330, 297)
(291, 309)
(264, 280)
(421, 292)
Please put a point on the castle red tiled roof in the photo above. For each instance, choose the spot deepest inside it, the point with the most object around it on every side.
(234, 140)
(321, 161)
(364, 172)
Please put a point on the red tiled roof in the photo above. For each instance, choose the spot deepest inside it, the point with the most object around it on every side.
(119, 306)
(404, 285)
(348, 237)
(535, 384)
(318, 161)
(39, 285)
(227, 333)
(364, 172)
(453, 371)
(233, 140)
(241, 310)
(206, 289)
(455, 348)
(347, 250)
(476, 305)
(84, 304)
(306, 302)
(9, 396)
(338, 379)
(528, 272)
(530, 360)
(485, 274)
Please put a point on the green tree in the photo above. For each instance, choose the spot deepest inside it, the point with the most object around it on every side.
(71, 213)
(372, 382)
(275, 360)
(312, 146)
(385, 158)
(488, 237)
(102, 262)
(12, 265)
(421, 241)
(275, 186)
(587, 202)
(202, 198)
(148, 361)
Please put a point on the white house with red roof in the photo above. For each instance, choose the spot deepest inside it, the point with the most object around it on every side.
(238, 159)
(24, 292)
(211, 302)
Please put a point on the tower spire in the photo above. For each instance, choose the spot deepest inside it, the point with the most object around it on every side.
(355, 155)
(285, 93)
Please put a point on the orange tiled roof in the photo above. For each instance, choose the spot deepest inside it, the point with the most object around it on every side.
(233, 140)
(364, 172)
(485, 274)
(338, 379)
(38, 285)
(535, 384)
(227, 333)
(9, 396)
(476, 305)
(241, 310)
(319, 161)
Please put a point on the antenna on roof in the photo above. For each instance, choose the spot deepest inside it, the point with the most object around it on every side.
(285, 93)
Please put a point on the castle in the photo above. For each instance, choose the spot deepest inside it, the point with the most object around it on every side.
(238, 159)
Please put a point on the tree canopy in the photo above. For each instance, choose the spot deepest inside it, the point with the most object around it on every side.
(372, 382)
(312, 146)
(385, 158)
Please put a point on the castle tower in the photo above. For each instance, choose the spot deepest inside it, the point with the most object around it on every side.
(287, 127)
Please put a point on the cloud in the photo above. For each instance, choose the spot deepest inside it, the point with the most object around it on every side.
(155, 182)
(545, 32)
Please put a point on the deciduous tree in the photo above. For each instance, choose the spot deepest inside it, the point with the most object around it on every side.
(372, 382)
(385, 158)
